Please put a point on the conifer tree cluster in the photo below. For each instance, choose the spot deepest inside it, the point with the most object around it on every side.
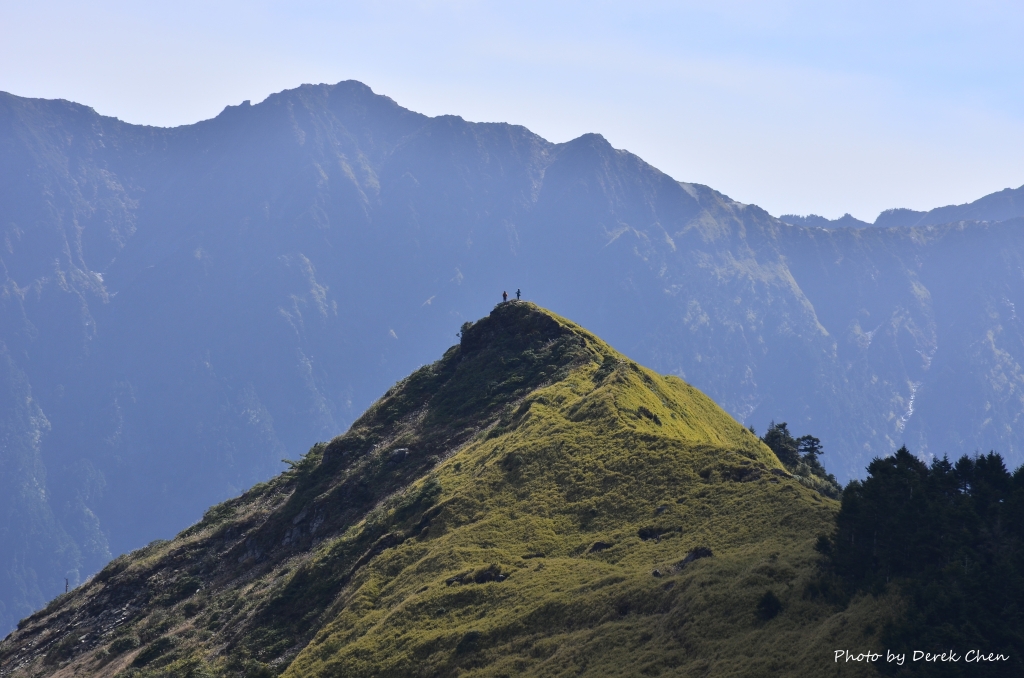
(950, 538)
(800, 457)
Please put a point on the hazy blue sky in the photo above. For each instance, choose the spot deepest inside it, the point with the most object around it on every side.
(796, 106)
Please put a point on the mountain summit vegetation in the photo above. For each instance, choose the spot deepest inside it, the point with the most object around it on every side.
(533, 503)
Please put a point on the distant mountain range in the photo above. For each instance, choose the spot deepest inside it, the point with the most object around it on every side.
(182, 308)
(1005, 204)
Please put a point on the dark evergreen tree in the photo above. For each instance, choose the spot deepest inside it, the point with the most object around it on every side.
(782, 443)
(800, 457)
(810, 448)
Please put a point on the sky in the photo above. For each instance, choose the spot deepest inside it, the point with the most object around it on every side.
(798, 106)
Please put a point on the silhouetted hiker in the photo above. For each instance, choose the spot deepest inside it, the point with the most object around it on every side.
(517, 295)
(504, 296)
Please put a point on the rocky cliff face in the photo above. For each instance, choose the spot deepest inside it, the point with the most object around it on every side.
(181, 308)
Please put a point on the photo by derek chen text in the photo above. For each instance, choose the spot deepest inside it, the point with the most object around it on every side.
(920, 656)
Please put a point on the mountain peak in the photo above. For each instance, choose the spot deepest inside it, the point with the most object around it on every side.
(518, 324)
(532, 488)
(592, 139)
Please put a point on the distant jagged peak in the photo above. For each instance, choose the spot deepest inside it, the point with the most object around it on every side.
(590, 139)
(586, 145)
(30, 108)
(899, 216)
(999, 206)
(344, 88)
(845, 221)
(348, 100)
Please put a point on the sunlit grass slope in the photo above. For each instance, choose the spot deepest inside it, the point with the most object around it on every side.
(582, 494)
(533, 503)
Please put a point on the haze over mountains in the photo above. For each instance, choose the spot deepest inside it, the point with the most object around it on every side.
(182, 308)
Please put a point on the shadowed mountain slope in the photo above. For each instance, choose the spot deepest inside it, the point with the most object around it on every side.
(532, 503)
(182, 308)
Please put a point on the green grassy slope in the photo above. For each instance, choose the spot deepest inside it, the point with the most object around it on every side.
(533, 503)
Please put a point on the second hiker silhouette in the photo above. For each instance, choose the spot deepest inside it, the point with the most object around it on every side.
(517, 295)
(504, 296)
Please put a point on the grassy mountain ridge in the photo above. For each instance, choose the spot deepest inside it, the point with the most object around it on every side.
(533, 502)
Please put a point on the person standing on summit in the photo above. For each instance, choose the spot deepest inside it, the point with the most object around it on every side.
(517, 295)
(504, 296)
